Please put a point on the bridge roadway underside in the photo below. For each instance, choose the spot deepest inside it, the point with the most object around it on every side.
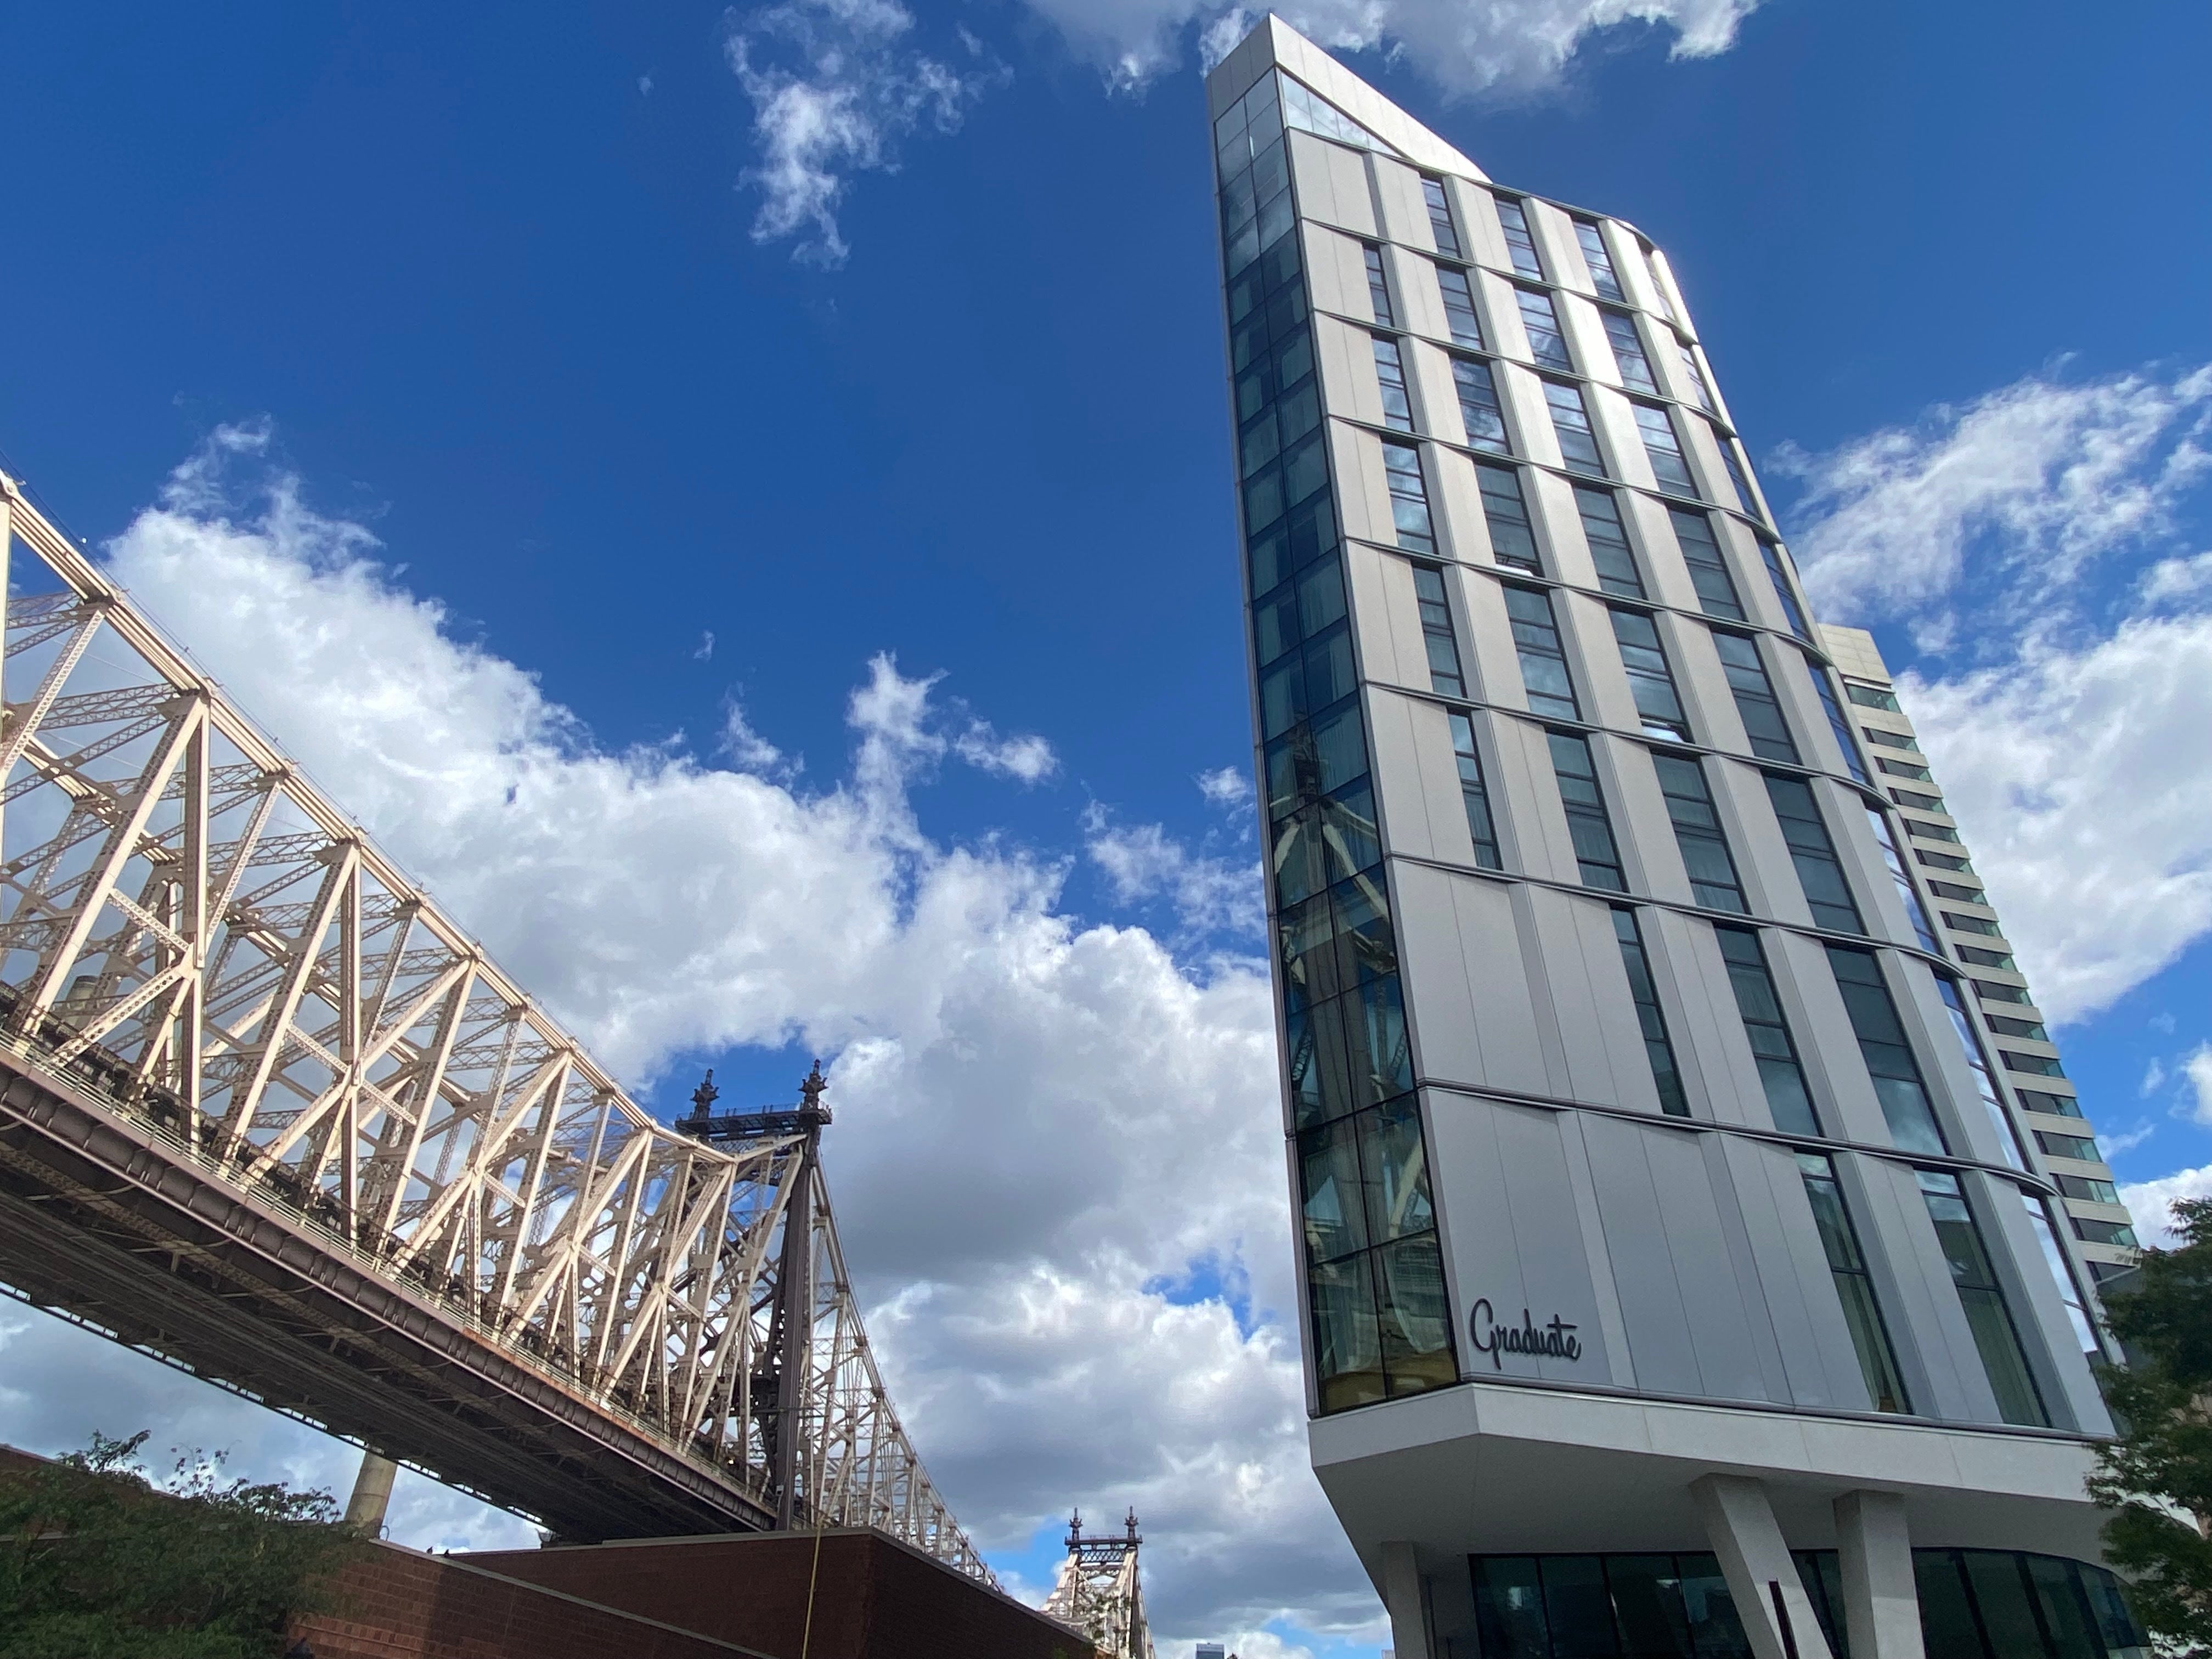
(102, 1219)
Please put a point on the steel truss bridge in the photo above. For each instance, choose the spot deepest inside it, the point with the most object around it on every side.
(268, 1113)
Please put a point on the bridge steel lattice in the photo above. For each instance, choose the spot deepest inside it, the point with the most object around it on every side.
(268, 1113)
(1100, 1592)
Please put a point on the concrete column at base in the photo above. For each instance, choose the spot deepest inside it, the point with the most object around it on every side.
(371, 1495)
(1755, 1560)
(1403, 1601)
(1881, 1603)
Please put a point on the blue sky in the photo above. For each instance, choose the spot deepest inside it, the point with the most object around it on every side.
(650, 495)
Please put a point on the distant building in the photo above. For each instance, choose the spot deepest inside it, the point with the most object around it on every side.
(1209, 1651)
(1679, 1273)
(2034, 1076)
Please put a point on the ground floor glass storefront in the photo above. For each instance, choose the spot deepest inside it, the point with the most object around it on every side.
(1974, 1604)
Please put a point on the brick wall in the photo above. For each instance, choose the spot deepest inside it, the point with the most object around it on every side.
(873, 1597)
(394, 1604)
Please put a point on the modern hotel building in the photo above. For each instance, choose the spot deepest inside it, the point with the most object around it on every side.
(1679, 1277)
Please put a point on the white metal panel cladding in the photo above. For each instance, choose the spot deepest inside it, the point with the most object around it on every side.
(196, 937)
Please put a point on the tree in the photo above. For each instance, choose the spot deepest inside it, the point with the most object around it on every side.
(96, 1562)
(2159, 1470)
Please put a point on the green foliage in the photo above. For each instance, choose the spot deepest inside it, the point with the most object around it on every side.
(2163, 1462)
(98, 1563)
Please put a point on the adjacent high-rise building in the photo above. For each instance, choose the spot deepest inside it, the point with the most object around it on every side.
(2051, 1111)
(1678, 1277)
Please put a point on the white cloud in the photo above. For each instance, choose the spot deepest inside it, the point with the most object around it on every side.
(2126, 1140)
(2075, 772)
(835, 85)
(2062, 717)
(1512, 47)
(1028, 758)
(2150, 1202)
(2177, 579)
(1206, 893)
(706, 651)
(1018, 1096)
(644, 84)
(2038, 478)
(2199, 1069)
(1226, 787)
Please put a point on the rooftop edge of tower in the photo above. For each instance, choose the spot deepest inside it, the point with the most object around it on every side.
(1273, 44)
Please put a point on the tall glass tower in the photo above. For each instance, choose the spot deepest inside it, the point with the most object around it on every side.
(1677, 1276)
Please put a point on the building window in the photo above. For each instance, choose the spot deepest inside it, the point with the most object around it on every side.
(2087, 1189)
(2091, 1230)
(1594, 848)
(1546, 344)
(1903, 769)
(1664, 449)
(1543, 659)
(1736, 476)
(1791, 609)
(1657, 704)
(1990, 991)
(1694, 374)
(1472, 792)
(1697, 832)
(1603, 277)
(1514, 223)
(1390, 374)
(1512, 539)
(2002, 1358)
(1381, 1325)
(2082, 1148)
(1379, 287)
(2020, 1028)
(2062, 1272)
(1409, 498)
(1854, 1285)
(1879, 823)
(1788, 1101)
(1479, 408)
(1931, 831)
(1459, 306)
(1709, 571)
(1628, 352)
(1889, 1061)
(1344, 1014)
(1666, 1076)
(1944, 861)
(1440, 217)
(1763, 721)
(2032, 1065)
(1608, 542)
(1571, 421)
(1444, 674)
(1826, 690)
(2039, 1100)
(1913, 797)
(1869, 696)
(1981, 958)
(1892, 740)
(1981, 925)
(1986, 1083)
(1820, 873)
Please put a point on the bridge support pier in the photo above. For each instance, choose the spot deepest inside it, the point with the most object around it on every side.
(371, 1495)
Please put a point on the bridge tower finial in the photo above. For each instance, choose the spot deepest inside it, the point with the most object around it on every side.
(810, 1088)
(704, 1097)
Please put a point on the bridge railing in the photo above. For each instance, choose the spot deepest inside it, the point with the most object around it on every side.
(193, 932)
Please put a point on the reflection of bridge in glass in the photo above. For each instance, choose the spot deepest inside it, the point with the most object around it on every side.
(268, 1113)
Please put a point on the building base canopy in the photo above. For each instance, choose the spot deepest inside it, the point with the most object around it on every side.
(1485, 1468)
(1807, 1536)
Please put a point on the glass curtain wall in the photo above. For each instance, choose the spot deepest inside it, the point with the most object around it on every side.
(1375, 1277)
